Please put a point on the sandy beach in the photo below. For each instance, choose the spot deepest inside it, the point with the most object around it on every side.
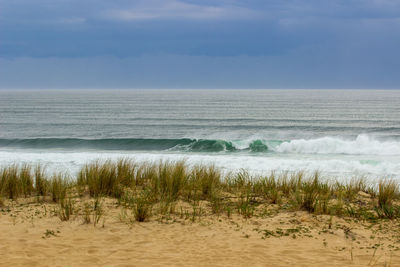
(32, 234)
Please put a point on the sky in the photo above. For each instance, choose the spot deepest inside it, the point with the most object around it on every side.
(62, 44)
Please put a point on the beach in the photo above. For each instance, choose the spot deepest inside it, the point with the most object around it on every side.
(199, 133)
(43, 240)
(125, 213)
(199, 178)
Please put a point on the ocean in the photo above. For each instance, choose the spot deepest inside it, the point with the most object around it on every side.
(340, 133)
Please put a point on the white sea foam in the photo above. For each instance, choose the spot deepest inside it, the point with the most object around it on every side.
(362, 145)
(342, 167)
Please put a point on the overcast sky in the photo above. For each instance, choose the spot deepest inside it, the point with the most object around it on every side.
(200, 44)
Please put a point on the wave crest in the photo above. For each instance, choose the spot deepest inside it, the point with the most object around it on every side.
(184, 144)
(362, 145)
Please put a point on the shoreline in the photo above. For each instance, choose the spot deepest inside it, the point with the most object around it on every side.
(340, 167)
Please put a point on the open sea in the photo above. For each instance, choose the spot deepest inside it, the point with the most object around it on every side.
(340, 133)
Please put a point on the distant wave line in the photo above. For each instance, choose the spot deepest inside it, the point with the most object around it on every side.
(361, 145)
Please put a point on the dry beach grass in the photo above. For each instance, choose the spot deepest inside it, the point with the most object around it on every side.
(127, 213)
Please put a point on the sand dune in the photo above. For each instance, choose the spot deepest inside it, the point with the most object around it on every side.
(31, 235)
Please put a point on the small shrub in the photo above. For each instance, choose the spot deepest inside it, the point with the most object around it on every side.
(98, 210)
(353, 187)
(58, 187)
(99, 177)
(216, 203)
(142, 207)
(196, 213)
(205, 180)
(170, 181)
(87, 210)
(387, 190)
(166, 207)
(387, 212)
(309, 198)
(66, 209)
(93, 211)
(228, 212)
(245, 207)
(11, 182)
(25, 175)
(41, 183)
(310, 190)
(275, 196)
(126, 172)
(241, 181)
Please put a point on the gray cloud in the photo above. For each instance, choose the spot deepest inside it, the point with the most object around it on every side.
(208, 43)
(173, 9)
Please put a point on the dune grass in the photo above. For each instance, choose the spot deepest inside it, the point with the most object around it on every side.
(58, 186)
(66, 209)
(26, 181)
(150, 188)
(11, 182)
(93, 211)
(41, 181)
(387, 192)
(27, 184)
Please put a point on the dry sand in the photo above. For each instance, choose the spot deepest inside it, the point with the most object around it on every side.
(284, 239)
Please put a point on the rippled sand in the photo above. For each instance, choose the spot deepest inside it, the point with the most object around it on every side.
(32, 235)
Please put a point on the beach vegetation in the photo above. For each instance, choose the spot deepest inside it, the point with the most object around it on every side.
(146, 189)
(93, 211)
(58, 186)
(10, 182)
(27, 183)
(41, 181)
(66, 209)
(387, 191)
(141, 205)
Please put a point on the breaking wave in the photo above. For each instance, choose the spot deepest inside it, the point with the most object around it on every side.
(185, 144)
(362, 145)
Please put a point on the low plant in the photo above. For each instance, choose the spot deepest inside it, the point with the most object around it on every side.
(25, 176)
(93, 211)
(41, 183)
(245, 206)
(216, 203)
(141, 206)
(87, 210)
(58, 187)
(11, 184)
(387, 212)
(66, 209)
(308, 193)
(387, 191)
